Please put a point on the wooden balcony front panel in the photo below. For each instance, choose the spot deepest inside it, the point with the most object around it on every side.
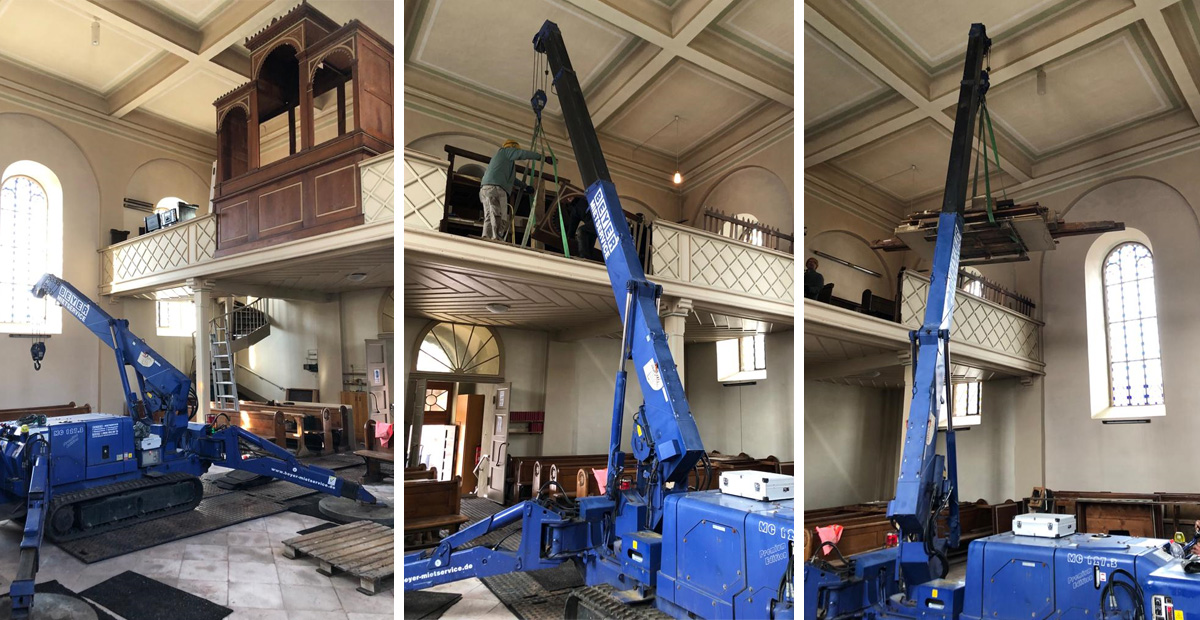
(321, 196)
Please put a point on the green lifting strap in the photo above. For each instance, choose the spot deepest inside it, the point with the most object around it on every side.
(542, 148)
(986, 119)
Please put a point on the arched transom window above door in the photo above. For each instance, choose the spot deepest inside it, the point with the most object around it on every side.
(460, 350)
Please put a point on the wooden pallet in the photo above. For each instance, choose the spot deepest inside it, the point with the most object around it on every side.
(364, 549)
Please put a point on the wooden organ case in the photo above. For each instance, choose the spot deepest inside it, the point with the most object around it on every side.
(289, 142)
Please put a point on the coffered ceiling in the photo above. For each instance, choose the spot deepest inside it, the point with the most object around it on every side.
(881, 81)
(719, 65)
(160, 63)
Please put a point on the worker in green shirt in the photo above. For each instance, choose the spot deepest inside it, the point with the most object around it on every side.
(497, 184)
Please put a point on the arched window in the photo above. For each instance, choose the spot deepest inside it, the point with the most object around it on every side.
(471, 352)
(30, 245)
(972, 284)
(752, 236)
(1131, 322)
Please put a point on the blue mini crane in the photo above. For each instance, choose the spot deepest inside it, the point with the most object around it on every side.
(1043, 571)
(81, 475)
(647, 538)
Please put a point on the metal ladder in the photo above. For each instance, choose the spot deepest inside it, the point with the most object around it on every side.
(224, 383)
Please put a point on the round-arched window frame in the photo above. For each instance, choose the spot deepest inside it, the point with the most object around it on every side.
(459, 352)
(1131, 327)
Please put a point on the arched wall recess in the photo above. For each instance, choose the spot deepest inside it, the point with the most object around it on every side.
(849, 283)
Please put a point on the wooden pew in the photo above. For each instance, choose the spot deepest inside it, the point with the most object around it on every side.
(376, 454)
(266, 424)
(880, 307)
(51, 411)
(431, 511)
(331, 421)
(420, 473)
(565, 470)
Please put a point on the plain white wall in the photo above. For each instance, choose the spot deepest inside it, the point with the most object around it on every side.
(847, 456)
(70, 370)
(1082, 453)
(580, 377)
(756, 419)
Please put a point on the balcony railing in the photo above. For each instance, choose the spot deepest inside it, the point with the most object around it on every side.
(424, 189)
(976, 320)
(695, 256)
(175, 247)
(740, 229)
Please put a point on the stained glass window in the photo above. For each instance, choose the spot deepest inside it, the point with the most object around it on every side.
(24, 251)
(1131, 317)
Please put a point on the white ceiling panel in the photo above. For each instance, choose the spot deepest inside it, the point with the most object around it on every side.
(190, 101)
(1091, 92)
(488, 46)
(705, 103)
(57, 38)
(845, 84)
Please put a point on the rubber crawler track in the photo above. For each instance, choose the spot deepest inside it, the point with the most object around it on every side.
(121, 488)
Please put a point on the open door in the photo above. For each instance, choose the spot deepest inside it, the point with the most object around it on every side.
(498, 446)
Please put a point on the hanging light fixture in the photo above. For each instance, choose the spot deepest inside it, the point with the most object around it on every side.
(678, 178)
(95, 31)
(1041, 81)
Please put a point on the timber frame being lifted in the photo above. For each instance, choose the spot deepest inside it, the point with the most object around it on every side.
(1008, 235)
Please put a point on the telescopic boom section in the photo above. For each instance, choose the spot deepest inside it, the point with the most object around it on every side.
(922, 490)
(670, 434)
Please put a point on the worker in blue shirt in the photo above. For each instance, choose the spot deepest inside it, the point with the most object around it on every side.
(497, 184)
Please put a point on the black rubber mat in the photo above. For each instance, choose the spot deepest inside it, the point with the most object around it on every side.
(54, 587)
(137, 597)
(561, 577)
(419, 605)
(525, 597)
(211, 489)
(212, 514)
(309, 507)
(317, 528)
(336, 461)
(239, 480)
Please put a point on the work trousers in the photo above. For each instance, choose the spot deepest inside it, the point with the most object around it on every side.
(495, 211)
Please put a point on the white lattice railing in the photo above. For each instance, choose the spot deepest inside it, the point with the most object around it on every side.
(424, 189)
(174, 247)
(377, 178)
(976, 320)
(695, 256)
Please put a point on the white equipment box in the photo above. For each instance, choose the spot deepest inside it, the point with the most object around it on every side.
(762, 486)
(1044, 525)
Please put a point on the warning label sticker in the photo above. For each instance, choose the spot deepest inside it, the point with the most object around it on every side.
(652, 376)
(104, 430)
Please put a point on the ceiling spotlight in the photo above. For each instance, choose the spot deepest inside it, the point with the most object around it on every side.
(1041, 81)
(678, 178)
(357, 277)
(497, 308)
(95, 31)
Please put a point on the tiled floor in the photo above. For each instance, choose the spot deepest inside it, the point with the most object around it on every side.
(241, 566)
(477, 601)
